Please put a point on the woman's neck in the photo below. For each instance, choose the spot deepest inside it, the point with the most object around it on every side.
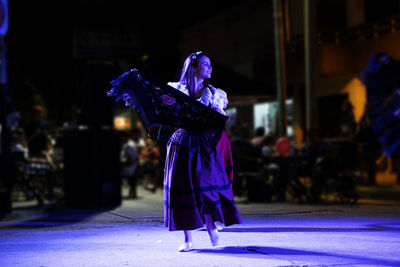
(199, 87)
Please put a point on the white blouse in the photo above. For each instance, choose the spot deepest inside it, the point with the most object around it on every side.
(214, 97)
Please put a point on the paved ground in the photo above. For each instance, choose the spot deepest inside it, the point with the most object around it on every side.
(272, 234)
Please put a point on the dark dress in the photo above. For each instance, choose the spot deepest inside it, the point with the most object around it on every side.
(195, 179)
(196, 183)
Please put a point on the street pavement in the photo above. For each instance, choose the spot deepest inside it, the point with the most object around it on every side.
(272, 234)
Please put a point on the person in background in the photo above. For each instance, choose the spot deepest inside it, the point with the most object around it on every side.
(19, 145)
(149, 159)
(258, 140)
(130, 159)
(37, 135)
(244, 156)
(225, 149)
(40, 148)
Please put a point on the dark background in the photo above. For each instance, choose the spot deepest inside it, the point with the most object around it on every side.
(41, 63)
(42, 68)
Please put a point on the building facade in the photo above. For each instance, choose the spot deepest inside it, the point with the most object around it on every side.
(347, 34)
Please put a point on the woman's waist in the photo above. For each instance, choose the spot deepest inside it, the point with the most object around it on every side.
(194, 133)
(193, 139)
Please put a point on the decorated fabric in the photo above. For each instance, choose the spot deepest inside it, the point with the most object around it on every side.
(162, 108)
(382, 80)
(212, 97)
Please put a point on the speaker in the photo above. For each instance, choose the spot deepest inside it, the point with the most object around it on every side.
(92, 168)
(92, 80)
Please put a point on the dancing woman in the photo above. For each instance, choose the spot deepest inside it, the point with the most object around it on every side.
(197, 190)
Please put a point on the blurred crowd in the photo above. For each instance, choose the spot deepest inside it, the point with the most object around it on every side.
(272, 168)
(265, 167)
(37, 156)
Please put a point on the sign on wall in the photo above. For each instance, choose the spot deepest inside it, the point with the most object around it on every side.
(106, 42)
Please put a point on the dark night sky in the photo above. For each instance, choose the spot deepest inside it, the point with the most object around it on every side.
(40, 55)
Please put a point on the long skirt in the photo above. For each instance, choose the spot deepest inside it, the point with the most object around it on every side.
(196, 183)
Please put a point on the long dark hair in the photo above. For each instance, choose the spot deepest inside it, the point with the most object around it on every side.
(188, 71)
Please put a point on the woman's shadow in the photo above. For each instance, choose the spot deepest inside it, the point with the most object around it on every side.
(265, 252)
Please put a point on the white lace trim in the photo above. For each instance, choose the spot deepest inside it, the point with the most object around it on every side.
(215, 97)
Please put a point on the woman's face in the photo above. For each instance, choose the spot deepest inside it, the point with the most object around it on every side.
(204, 68)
